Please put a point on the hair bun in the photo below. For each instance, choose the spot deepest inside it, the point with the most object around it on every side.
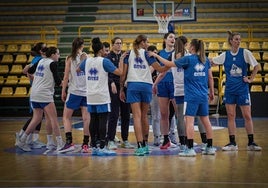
(96, 40)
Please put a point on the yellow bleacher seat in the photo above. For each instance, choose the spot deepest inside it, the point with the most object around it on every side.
(7, 58)
(12, 48)
(265, 67)
(24, 80)
(225, 46)
(124, 47)
(257, 56)
(243, 45)
(16, 69)
(30, 59)
(265, 56)
(2, 80)
(258, 78)
(7, 91)
(254, 46)
(4, 69)
(215, 68)
(159, 46)
(256, 88)
(20, 91)
(213, 46)
(11, 80)
(265, 45)
(2, 48)
(266, 78)
(266, 88)
(21, 58)
(25, 48)
(212, 54)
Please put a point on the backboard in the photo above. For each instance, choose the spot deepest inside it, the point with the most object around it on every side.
(180, 10)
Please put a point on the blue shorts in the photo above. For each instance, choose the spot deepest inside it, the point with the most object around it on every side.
(138, 96)
(165, 89)
(41, 105)
(74, 102)
(196, 109)
(179, 99)
(99, 108)
(237, 99)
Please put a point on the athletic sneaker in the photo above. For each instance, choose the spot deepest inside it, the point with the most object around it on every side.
(37, 144)
(17, 138)
(146, 149)
(105, 152)
(23, 146)
(254, 147)
(112, 145)
(94, 151)
(230, 147)
(166, 146)
(203, 146)
(66, 148)
(139, 152)
(127, 145)
(157, 141)
(51, 146)
(172, 138)
(116, 139)
(209, 151)
(188, 153)
(85, 148)
(182, 148)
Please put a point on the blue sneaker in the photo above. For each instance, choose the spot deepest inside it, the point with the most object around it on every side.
(139, 152)
(94, 151)
(209, 151)
(146, 149)
(106, 152)
(188, 153)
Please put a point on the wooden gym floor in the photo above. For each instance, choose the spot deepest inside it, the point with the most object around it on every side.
(225, 169)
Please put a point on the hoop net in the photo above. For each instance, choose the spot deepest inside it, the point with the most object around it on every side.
(163, 21)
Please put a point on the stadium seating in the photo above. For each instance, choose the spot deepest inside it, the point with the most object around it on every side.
(11, 80)
(2, 80)
(6, 91)
(12, 48)
(21, 58)
(265, 45)
(26, 48)
(254, 46)
(2, 48)
(265, 67)
(265, 56)
(213, 46)
(257, 55)
(16, 69)
(7, 58)
(20, 91)
(24, 80)
(258, 78)
(256, 88)
(4, 69)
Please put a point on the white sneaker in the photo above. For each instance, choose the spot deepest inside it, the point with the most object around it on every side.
(254, 147)
(112, 145)
(209, 151)
(37, 144)
(230, 147)
(105, 152)
(51, 146)
(203, 146)
(157, 140)
(183, 148)
(23, 146)
(188, 153)
(172, 138)
(17, 138)
(116, 139)
(127, 145)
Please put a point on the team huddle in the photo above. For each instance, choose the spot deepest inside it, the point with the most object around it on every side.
(175, 83)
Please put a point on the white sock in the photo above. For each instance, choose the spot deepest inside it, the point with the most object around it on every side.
(35, 137)
(21, 132)
(29, 139)
(59, 140)
(23, 137)
(50, 140)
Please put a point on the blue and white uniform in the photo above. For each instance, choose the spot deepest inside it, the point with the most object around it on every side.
(165, 88)
(139, 78)
(235, 67)
(195, 85)
(96, 70)
(77, 89)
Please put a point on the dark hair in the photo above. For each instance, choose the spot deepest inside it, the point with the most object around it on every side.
(37, 48)
(165, 37)
(137, 42)
(231, 36)
(115, 38)
(97, 45)
(199, 48)
(50, 50)
(106, 44)
(151, 48)
(77, 43)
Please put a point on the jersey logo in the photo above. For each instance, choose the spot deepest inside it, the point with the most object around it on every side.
(40, 70)
(139, 63)
(199, 70)
(93, 74)
(235, 71)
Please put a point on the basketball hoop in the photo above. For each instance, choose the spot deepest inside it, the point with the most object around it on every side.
(163, 21)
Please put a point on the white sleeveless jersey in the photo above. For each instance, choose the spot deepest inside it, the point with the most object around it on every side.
(77, 80)
(97, 82)
(178, 79)
(43, 82)
(138, 68)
